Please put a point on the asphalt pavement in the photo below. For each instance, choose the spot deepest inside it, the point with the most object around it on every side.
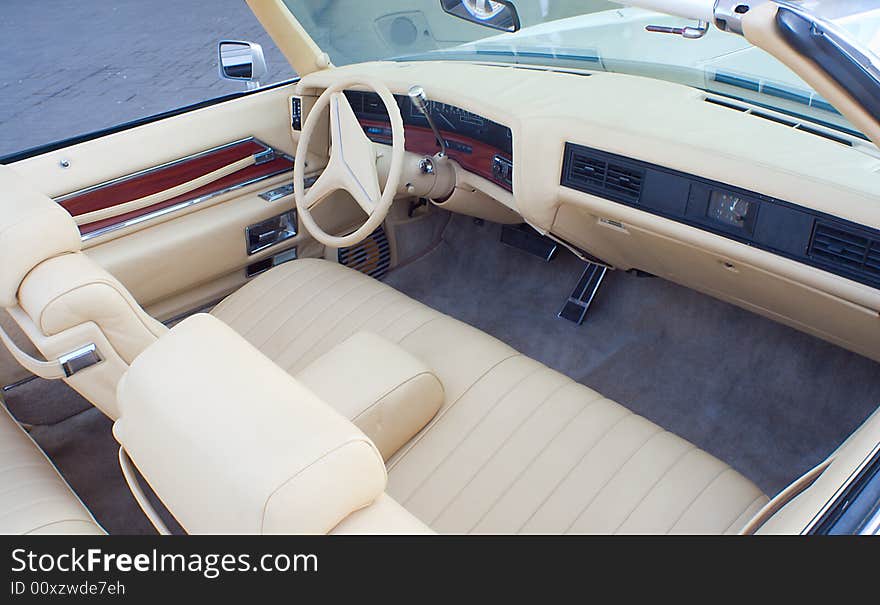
(75, 66)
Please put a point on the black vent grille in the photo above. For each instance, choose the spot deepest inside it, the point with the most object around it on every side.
(373, 104)
(625, 181)
(366, 103)
(592, 172)
(371, 257)
(846, 249)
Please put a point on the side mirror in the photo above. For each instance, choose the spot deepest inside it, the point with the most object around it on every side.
(497, 14)
(243, 61)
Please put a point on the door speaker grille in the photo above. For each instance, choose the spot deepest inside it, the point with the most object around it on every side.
(371, 257)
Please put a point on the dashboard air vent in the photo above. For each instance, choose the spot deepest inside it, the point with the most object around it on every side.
(844, 248)
(625, 181)
(590, 171)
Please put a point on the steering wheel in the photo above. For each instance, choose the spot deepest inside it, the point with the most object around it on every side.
(352, 164)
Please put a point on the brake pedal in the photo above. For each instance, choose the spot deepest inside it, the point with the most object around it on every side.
(575, 308)
(523, 237)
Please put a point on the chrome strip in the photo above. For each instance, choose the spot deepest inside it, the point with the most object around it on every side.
(152, 169)
(872, 527)
(834, 499)
(176, 207)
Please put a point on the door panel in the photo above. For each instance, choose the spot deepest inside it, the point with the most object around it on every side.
(183, 244)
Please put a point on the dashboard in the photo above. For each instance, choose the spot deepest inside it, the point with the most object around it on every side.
(477, 143)
(805, 235)
(727, 198)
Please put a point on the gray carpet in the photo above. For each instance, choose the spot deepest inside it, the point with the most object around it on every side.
(768, 400)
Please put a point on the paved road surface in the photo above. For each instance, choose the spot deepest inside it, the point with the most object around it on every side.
(74, 66)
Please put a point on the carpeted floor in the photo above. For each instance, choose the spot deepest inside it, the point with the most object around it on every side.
(767, 399)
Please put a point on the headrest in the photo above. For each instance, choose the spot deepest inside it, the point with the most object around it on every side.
(231, 443)
(33, 228)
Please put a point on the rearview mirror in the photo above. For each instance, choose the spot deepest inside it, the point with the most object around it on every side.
(497, 14)
(243, 61)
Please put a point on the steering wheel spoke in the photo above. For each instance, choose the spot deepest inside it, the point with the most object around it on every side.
(353, 155)
(321, 189)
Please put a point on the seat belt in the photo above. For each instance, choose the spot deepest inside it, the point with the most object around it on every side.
(140, 497)
(64, 367)
(50, 370)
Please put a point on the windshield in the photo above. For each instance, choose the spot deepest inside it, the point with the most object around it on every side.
(584, 34)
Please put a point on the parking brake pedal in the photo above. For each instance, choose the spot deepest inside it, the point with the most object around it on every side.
(575, 308)
(528, 240)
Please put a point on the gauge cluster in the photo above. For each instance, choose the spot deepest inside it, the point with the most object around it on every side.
(449, 118)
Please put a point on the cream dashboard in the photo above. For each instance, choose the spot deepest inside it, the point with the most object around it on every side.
(657, 176)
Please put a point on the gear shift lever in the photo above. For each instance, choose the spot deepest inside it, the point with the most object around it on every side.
(420, 100)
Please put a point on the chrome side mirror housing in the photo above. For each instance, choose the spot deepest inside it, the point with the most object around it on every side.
(242, 61)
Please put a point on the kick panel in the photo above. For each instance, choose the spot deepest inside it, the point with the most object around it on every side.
(808, 236)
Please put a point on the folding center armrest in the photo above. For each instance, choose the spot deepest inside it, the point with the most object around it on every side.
(383, 389)
(231, 443)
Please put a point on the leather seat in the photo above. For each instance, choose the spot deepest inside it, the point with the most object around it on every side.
(34, 498)
(516, 447)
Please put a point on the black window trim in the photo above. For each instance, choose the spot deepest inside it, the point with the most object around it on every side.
(31, 152)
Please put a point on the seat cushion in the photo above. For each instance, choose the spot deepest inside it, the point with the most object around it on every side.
(516, 447)
(34, 498)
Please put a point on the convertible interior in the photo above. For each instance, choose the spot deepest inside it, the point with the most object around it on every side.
(443, 296)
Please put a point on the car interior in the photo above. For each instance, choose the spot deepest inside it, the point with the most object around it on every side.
(444, 296)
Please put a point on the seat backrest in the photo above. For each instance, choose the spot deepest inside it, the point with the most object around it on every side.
(63, 301)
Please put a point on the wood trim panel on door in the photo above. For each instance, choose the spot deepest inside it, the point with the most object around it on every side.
(138, 185)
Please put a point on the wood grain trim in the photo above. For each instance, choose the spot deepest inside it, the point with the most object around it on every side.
(421, 140)
(171, 175)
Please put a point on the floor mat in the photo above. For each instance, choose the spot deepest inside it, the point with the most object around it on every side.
(767, 399)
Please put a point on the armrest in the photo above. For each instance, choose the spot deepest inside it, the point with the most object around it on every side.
(231, 443)
(383, 389)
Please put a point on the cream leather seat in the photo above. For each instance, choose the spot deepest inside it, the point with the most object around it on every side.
(34, 498)
(516, 447)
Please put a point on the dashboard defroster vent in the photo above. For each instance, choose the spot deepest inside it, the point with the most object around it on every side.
(846, 249)
(588, 171)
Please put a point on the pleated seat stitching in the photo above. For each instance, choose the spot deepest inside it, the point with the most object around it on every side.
(418, 438)
(336, 324)
(600, 439)
(292, 314)
(280, 277)
(605, 483)
(498, 401)
(502, 444)
(525, 469)
(294, 288)
(697, 497)
(656, 483)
